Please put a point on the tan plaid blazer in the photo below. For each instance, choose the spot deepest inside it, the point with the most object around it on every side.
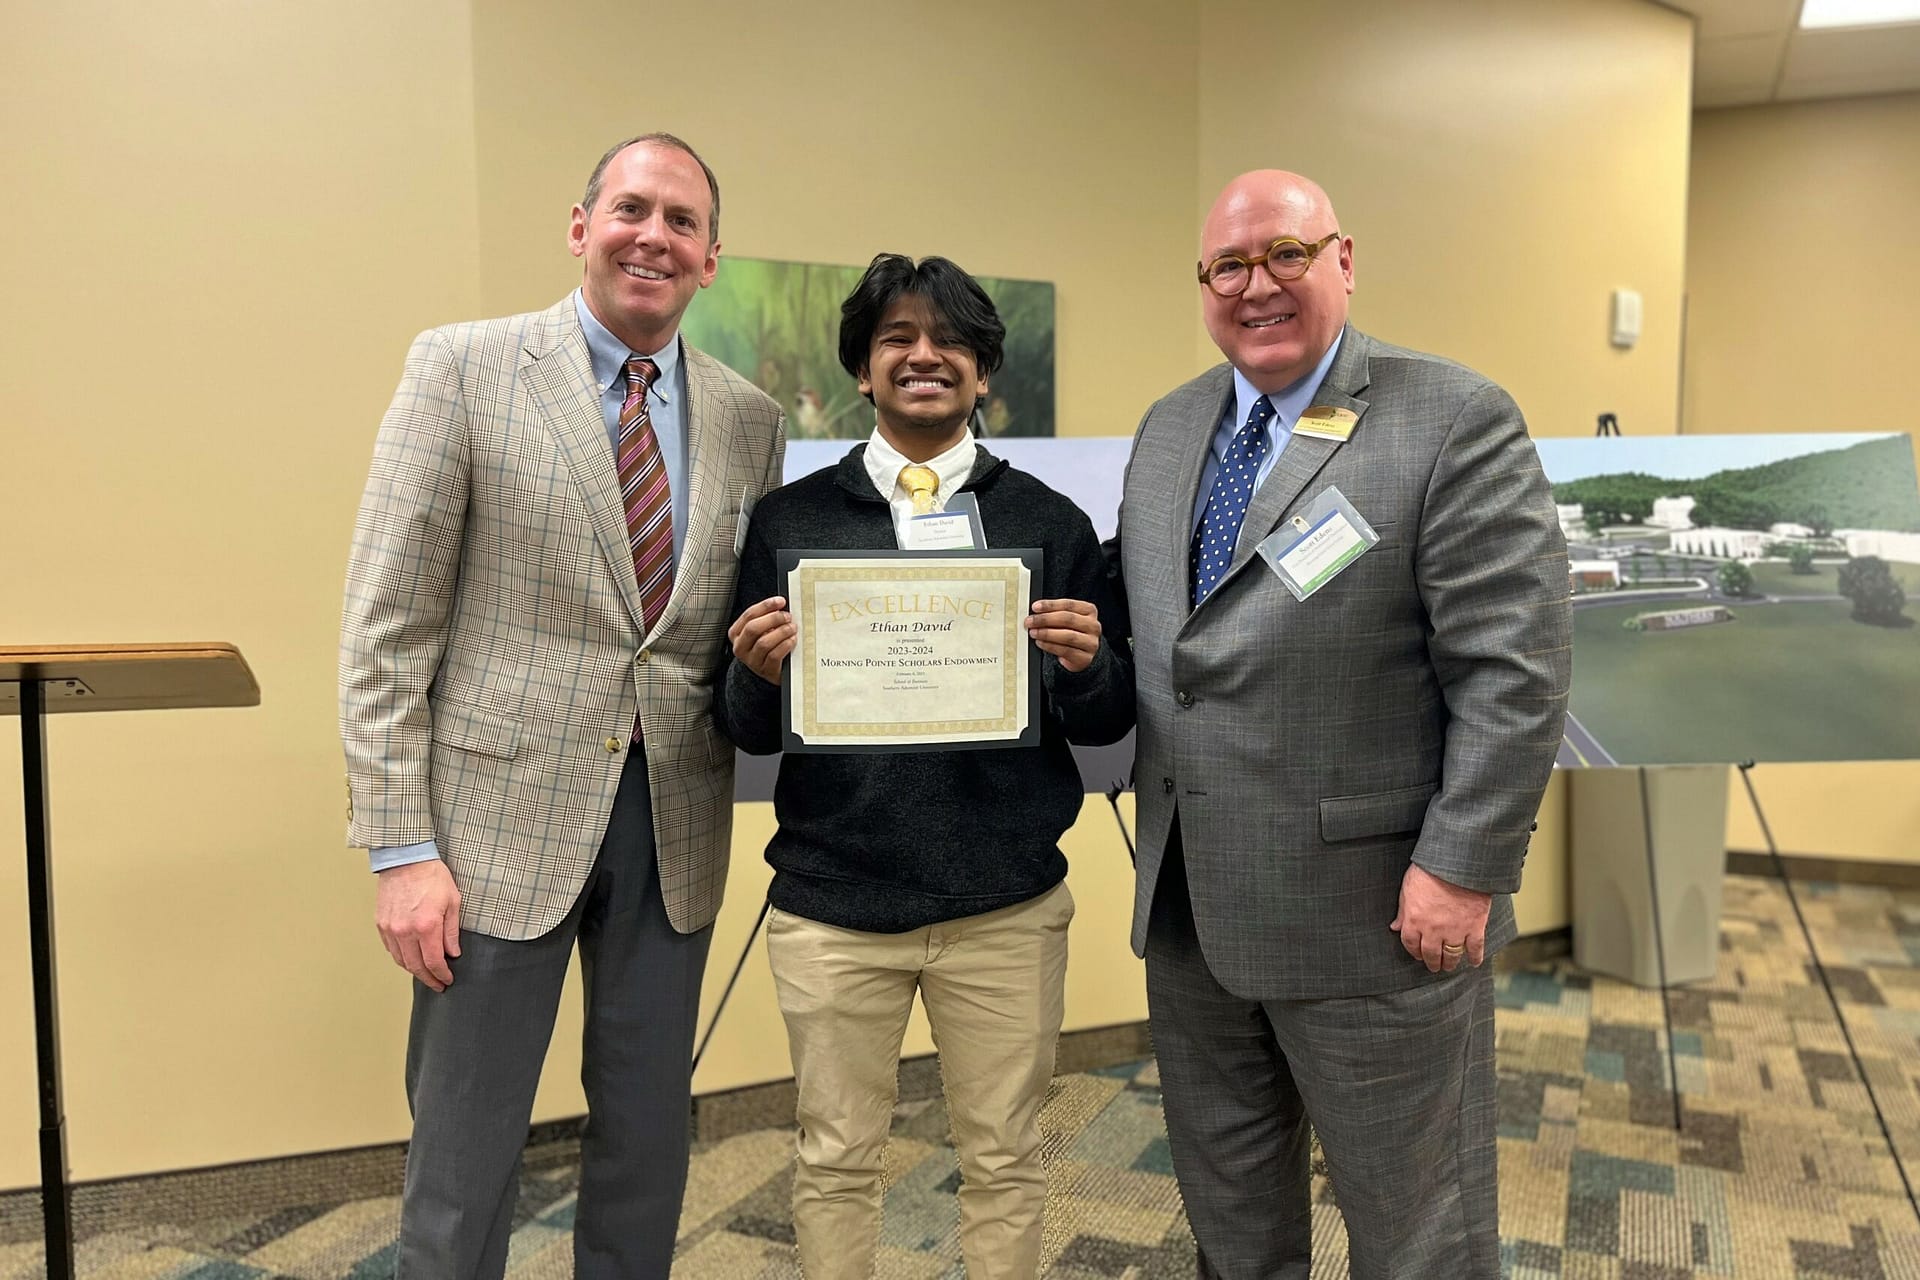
(492, 660)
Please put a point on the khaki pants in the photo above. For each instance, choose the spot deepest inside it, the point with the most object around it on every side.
(994, 989)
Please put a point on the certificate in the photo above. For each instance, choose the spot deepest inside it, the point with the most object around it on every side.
(910, 650)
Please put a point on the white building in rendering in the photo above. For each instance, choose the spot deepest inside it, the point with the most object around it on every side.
(1593, 575)
(1722, 544)
(1672, 513)
(1901, 547)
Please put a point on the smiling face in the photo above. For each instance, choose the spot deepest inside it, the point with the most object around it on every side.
(646, 243)
(922, 378)
(1275, 333)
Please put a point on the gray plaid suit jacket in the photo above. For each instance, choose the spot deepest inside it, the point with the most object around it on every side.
(492, 659)
(1409, 709)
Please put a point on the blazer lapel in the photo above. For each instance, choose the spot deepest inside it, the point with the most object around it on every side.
(559, 373)
(1211, 400)
(1304, 456)
(709, 446)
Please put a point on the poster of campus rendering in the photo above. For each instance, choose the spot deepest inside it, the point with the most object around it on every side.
(1741, 597)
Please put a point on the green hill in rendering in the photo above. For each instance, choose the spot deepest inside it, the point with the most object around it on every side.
(1865, 486)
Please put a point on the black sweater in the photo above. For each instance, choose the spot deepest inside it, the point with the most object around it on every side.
(896, 841)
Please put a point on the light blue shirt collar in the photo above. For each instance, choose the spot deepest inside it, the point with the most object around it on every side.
(1289, 402)
(668, 405)
(609, 355)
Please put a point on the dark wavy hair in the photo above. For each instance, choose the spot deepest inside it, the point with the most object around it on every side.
(956, 298)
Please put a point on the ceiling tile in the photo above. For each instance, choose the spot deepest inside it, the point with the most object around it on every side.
(1736, 72)
(1750, 51)
(1851, 86)
(1710, 100)
(1738, 61)
(1722, 18)
(1842, 62)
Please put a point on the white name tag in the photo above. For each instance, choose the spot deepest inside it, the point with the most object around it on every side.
(939, 531)
(1311, 548)
(740, 529)
(958, 528)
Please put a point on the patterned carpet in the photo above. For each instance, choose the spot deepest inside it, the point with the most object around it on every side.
(1780, 1169)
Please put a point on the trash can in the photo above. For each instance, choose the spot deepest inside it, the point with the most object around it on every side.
(1613, 910)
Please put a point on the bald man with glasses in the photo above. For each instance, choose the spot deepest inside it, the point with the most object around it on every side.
(1348, 598)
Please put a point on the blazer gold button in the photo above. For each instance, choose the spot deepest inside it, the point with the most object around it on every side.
(613, 745)
(646, 655)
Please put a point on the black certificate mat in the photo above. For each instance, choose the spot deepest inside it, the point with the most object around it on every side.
(910, 650)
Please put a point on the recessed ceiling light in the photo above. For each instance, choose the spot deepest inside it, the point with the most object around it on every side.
(1858, 13)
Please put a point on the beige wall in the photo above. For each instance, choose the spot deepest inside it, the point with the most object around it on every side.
(1039, 141)
(1803, 268)
(225, 221)
(1802, 275)
(243, 211)
(1502, 166)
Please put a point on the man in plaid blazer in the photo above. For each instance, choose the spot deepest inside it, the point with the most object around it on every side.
(530, 752)
(1335, 791)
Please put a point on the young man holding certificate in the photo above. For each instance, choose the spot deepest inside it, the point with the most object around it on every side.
(926, 858)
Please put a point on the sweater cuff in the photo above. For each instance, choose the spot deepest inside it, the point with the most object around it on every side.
(1065, 685)
(753, 710)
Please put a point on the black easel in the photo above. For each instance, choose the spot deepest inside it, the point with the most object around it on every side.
(738, 965)
(1820, 968)
(1659, 943)
(56, 1204)
(1113, 799)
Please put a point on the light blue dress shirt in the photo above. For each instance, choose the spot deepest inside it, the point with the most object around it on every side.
(667, 406)
(1288, 403)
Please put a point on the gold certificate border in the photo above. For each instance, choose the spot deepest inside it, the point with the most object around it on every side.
(1007, 573)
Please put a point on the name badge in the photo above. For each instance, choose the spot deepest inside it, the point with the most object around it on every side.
(1310, 548)
(939, 531)
(1325, 422)
(955, 529)
(740, 529)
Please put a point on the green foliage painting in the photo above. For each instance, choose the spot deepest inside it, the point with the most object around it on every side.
(778, 324)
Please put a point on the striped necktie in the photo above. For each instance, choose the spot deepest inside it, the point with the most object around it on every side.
(644, 493)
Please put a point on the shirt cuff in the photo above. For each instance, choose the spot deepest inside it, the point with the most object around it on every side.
(401, 855)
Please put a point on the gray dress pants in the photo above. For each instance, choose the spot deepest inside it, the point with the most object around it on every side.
(474, 1056)
(1400, 1087)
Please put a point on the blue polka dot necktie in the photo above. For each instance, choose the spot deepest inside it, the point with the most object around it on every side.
(1227, 504)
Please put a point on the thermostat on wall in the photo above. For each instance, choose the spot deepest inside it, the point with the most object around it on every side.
(1626, 317)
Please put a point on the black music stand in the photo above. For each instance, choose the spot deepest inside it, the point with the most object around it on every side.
(37, 681)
